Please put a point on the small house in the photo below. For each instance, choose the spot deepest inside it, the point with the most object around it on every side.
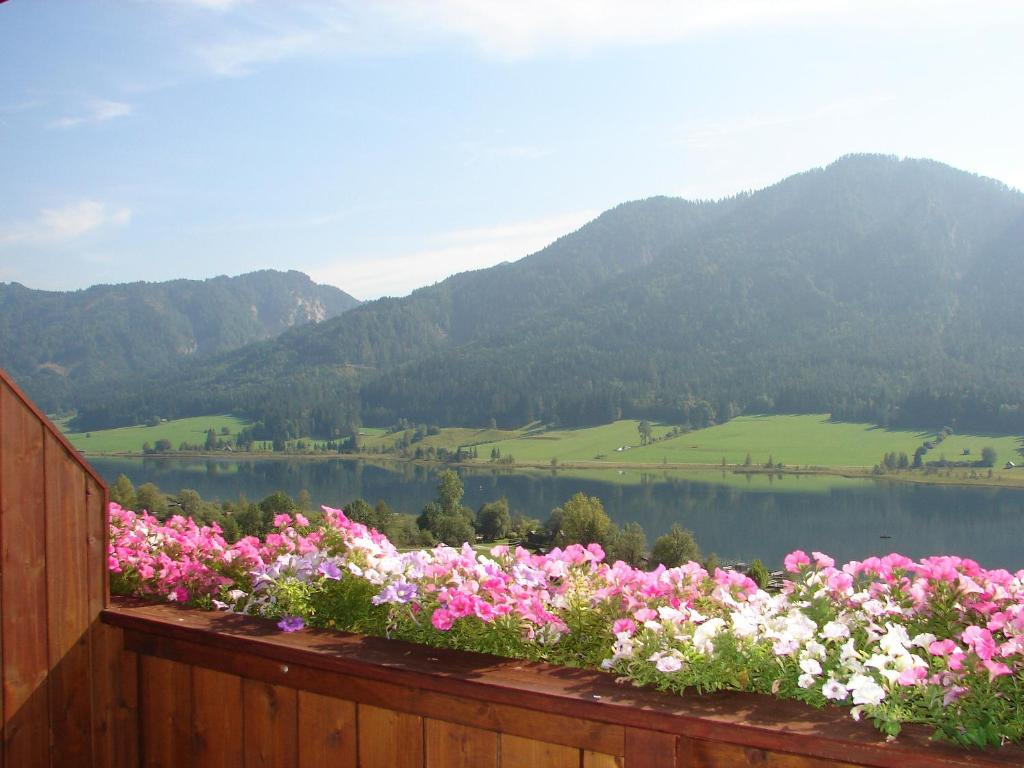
(1009, 465)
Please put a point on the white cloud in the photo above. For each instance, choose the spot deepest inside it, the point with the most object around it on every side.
(99, 112)
(266, 32)
(453, 252)
(57, 225)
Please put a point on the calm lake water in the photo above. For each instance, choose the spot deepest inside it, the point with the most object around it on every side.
(737, 517)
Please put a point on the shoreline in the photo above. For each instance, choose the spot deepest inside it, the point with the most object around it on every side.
(936, 477)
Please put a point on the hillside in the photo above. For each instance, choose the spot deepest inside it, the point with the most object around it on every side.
(875, 289)
(57, 344)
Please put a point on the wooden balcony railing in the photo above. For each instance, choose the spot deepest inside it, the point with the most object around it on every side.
(92, 683)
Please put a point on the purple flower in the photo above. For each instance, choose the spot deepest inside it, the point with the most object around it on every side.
(291, 623)
(329, 570)
(400, 592)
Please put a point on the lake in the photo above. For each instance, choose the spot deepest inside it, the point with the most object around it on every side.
(739, 517)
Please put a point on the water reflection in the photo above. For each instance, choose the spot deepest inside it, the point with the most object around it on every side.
(735, 516)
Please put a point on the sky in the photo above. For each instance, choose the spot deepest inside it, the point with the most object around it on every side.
(381, 146)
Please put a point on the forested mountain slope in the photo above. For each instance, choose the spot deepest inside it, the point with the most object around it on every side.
(874, 288)
(56, 343)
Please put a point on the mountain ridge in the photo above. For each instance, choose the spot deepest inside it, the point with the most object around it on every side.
(864, 288)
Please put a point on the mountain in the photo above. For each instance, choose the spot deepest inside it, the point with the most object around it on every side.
(57, 344)
(874, 288)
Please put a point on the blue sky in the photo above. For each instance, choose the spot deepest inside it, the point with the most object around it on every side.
(380, 146)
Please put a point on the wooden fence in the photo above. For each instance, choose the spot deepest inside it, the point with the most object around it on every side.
(133, 684)
(53, 585)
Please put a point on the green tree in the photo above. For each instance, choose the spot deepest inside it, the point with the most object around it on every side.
(644, 428)
(151, 499)
(211, 440)
(584, 521)
(674, 548)
(760, 575)
(190, 502)
(123, 492)
(988, 456)
(493, 520)
(629, 545)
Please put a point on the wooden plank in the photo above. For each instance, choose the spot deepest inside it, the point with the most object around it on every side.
(271, 725)
(216, 719)
(650, 749)
(327, 732)
(599, 760)
(23, 624)
(165, 710)
(389, 739)
(322, 659)
(519, 721)
(517, 752)
(116, 697)
(67, 600)
(449, 745)
(718, 754)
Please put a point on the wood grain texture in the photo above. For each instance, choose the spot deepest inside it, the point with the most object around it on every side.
(116, 697)
(389, 739)
(518, 752)
(650, 749)
(165, 709)
(327, 732)
(271, 725)
(449, 745)
(216, 719)
(599, 760)
(24, 621)
(352, 666)
(67, 600)
(717, 754)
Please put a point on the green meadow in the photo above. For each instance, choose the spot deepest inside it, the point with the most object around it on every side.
(449, 438)
(131, 439)
(805, 440)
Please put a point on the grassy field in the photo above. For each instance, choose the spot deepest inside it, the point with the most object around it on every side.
(131, 439)
(805, 440)
(573, 444)
(449, 438)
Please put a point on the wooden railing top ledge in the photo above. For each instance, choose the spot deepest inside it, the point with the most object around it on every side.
(208, 638)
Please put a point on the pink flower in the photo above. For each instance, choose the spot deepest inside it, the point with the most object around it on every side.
(442, 619)
(623, 625)
(282, 520)
(912, 676)
(995, 669)
(796, 559)
(823, 561)
(980, 641)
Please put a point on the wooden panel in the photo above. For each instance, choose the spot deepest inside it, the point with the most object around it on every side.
(271, 725)
(517, 752)
(650, 749)
(23, 541)
(327, 732)
(717, 754)
(216, 719)
(458, 746)
(519, 721)
(395, 674)
(165, 692)
(599, 760)
(67, 587)
(116, 693)
(389, 739)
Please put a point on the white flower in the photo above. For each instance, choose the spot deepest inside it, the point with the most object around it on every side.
(805, 681)
(705, 633)
(895, 641)
(810, 667)
(835, 630)
(865, 690)
(923, 640)
(236, 594)
(652, 625)
(669, 663)
(813, 650)
(666, 613)
(833, 690)
(744, 624)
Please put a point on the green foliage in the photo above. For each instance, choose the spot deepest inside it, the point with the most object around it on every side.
(630, 545)
(584, 521)
(674, 548)
(123, 492)
(493, 520)
(759, 574)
